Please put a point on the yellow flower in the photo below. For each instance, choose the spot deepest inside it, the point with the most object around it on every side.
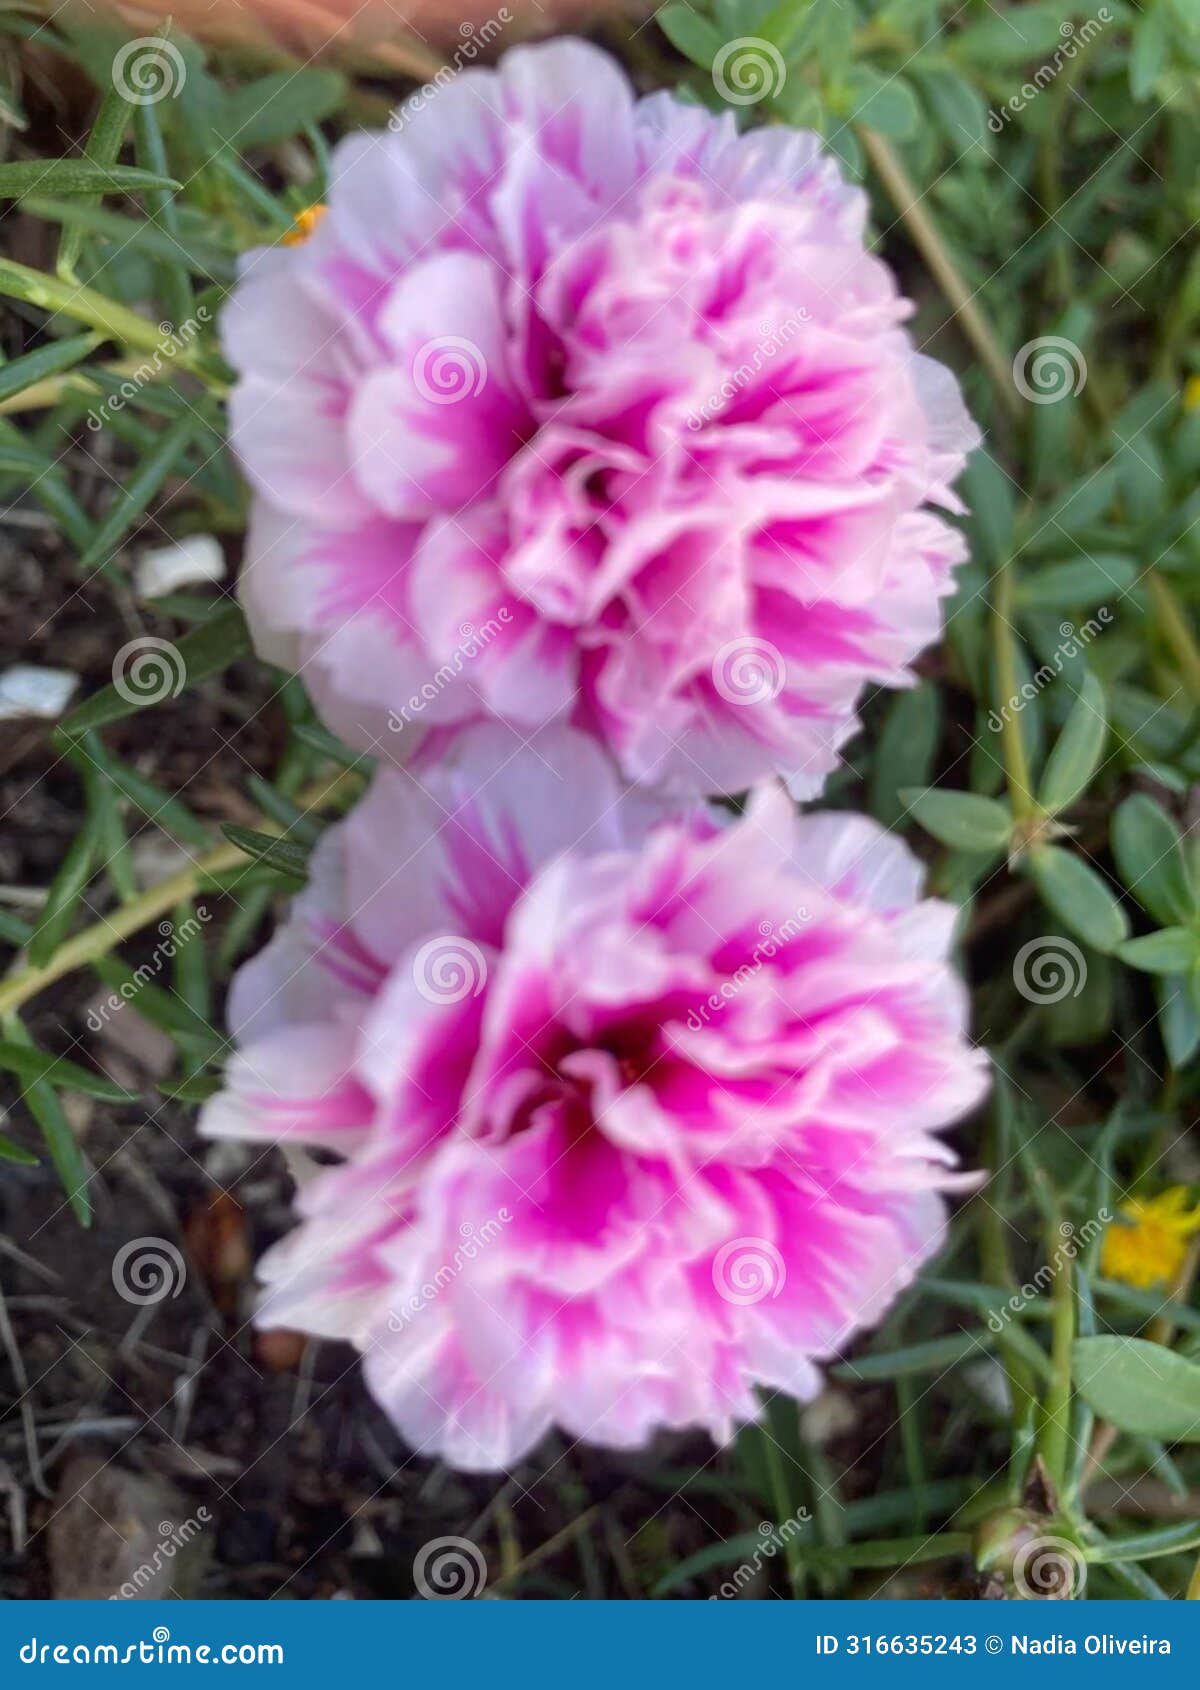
(1191, 394)
(306, 222)
(1147, 1244)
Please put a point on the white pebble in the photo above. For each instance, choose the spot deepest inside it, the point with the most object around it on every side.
(27, 690)
(187, 563)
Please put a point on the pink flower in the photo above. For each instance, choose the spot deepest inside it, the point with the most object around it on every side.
(633, 1112)
(582, 406)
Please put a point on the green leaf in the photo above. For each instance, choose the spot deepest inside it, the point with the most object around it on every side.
(1178, 1020)
(988, 492)
(1146, 1546)
(11, 1151)
(30, 1063)
(1077, 751)
(278, 854)
(64, 894)
(103, 145)
(43, 1104)
(957, 108)
(1076, 583)
(963, 820)
(46, 361)
(58, 176)
(1149, 53)
(1172, 950)
(1140, 1387)
(1076, 893)
(884, 103)
(139, 490)
(696, 38)
(1149, 855)
(273, 108)
(205, 651)
(904, 754)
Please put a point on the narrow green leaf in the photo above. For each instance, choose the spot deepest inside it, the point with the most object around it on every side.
(45, 361)
(696, 38)
(75, 176)
(139, 490)
(904, 755)
(33, 1064)
(103, 145)
(1075, 892)
(963, 820)
(280, 854)
(1077, 751)
(64, 893)
(11, 1151)
(204, 651)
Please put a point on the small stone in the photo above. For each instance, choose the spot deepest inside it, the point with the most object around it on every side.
(196, 561)
(29, 690)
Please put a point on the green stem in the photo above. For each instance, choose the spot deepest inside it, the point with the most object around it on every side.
(1175, 629)
(115, 321)
(933, 249)
(1016, 763)
(1056, 1411)
(158, 900)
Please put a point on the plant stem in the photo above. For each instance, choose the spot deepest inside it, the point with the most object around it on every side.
(783, 1507)
(1016, 763)
(115, 321)
(1056, 1410)
(158, 900)
(1173, 624)
(928, 241)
